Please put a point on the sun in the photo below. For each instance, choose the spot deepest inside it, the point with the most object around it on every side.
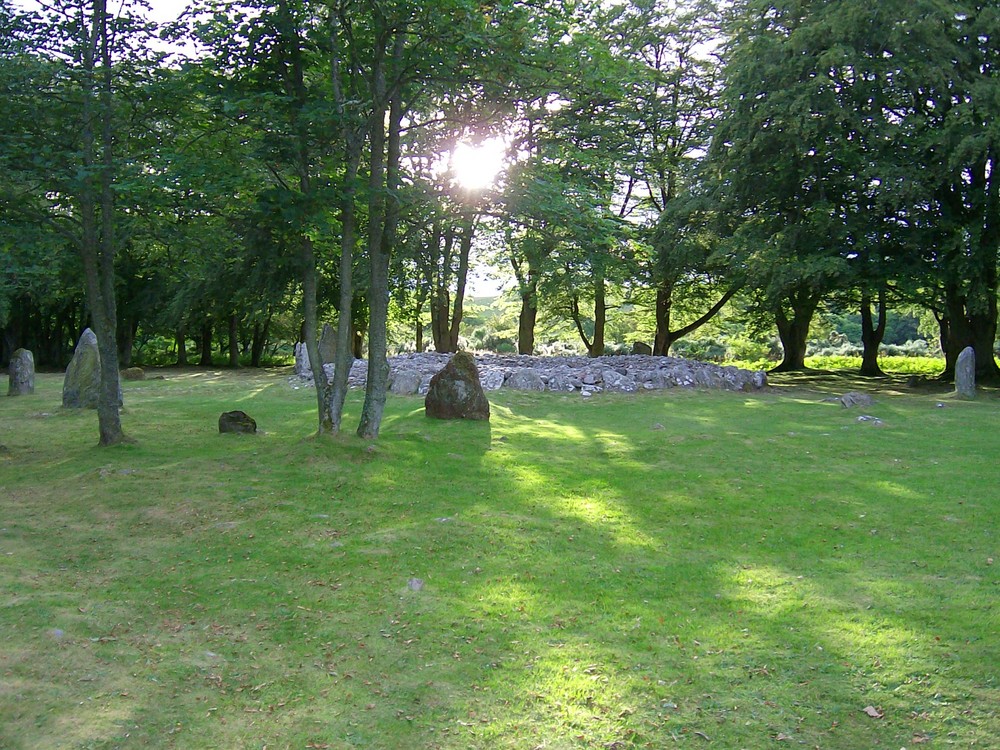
(477, 166)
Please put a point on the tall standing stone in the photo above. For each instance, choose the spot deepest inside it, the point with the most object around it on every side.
(965, 374)
(302, 366)
(22, 374)
(82, 385)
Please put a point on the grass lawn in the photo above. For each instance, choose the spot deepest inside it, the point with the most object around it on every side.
(690, 569)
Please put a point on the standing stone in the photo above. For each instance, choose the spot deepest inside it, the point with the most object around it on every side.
(83, 376)
(455, 392)
(22, 374)
(641, 347)
(302, 367)
(965, 374)
(328, 345)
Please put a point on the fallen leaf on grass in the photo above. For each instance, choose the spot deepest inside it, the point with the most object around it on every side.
(919, 739)
(873, 712)
(782, 737)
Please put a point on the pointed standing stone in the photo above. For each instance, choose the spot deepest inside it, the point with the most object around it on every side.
(82, 385)
(965, 374)
(455, 392)
(22, 374)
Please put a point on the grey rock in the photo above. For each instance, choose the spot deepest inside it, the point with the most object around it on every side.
(302, 366)
(328, 344)
(133, 373)
(855, 398)
(237, 422)
(639, 347)
(491, 380)
(965, 374)
(82, 384)
(22, 373)
(405, 382)
(525, 379)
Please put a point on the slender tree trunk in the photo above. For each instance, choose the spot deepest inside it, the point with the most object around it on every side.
(97, 220)
(353, 140)
(441, 302)
(465, 249)
(600, 315)
(872, 333)
(384, 176)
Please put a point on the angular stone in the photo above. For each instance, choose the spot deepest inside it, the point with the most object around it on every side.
(82, 384)
(302, 366)
(237, 422)
(455, 391)
(855, 398)
(22, 373)
(328, 345)
(491, 380)
(525, 379)
(405, 382)
(640, 347)
(965, 374)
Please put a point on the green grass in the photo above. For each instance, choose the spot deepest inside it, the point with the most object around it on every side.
(670, 569)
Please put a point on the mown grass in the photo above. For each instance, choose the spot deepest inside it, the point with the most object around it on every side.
(654, 570)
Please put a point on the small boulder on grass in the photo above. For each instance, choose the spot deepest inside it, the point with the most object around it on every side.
(855, 398)
(237, 421)
(455, 391)
(133, 373)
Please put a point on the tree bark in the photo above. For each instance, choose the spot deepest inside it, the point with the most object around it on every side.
(794, 331)
(596, 348)
(353, 139)
(206, 344)
(383, 177)
(234, 341)
(181, 340)
(465, 248)
(96, 203)
(872, 333)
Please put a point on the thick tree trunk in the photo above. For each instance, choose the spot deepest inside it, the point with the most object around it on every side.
(664, 306)
(205, 346)
(526, 321)
(259, 341)
(234, 341)
(872, 333)
(181, 340)
(794, 331)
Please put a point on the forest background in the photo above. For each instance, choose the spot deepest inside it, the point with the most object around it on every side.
(723, 180)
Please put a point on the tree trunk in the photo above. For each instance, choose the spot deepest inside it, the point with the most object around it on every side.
(871, 334)
(527, 319)
(234, 341)
(384, 177)
(206, 344)
(794, 331)
(465, 248)
(600, 315)
(182, 356)
(97, 208)
(664, 304)
(259, 341)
